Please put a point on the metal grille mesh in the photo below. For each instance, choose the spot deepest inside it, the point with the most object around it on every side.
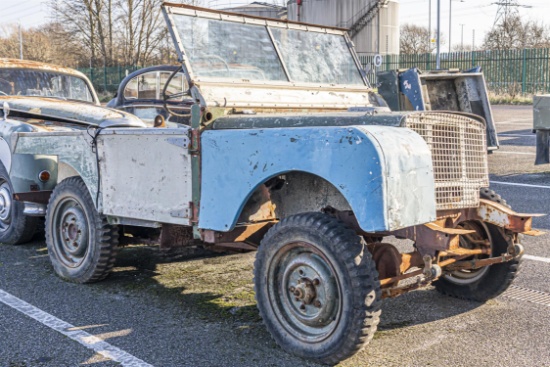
(459, 154)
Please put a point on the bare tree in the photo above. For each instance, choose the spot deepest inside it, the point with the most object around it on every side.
(415, 39)
(141, 30)
(515, 33)
(113, 32)
(40, 44)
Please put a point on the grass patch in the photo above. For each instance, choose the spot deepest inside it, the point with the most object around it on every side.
(215, 288)
(508, 99)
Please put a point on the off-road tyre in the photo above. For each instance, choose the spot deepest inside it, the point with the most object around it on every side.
(330, 249)
(486, 193)
(15, 227)
(496, 278)
(72, 216)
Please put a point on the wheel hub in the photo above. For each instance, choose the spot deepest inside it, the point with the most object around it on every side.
(73, 232)
(311, 290)
(305, 290)
(5, 203)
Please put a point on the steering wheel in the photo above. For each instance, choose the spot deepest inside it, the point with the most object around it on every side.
(167, 97)
(7, 82)
(209, 58)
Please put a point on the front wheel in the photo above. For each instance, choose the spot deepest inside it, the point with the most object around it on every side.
(81, 244)
(15, 226)
(489, 281)
(317, 288)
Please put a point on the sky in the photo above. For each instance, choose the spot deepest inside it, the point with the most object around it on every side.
(478, 15)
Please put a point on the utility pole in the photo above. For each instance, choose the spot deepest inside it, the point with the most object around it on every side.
(451, 20)
(462, 37)
(473, 40)
(430, 26)
(438, 42)
(20, 41)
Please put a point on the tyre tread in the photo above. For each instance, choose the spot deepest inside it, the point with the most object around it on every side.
(106, 235)
(365, 316)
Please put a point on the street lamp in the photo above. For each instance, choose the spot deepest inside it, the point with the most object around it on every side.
(450, 19)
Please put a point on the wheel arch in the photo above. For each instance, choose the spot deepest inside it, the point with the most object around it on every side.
(71, 153)
(288, 193)
(387, 188)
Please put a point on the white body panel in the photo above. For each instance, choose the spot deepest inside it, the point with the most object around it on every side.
(146, 174)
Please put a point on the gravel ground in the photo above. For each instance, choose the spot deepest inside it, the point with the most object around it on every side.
(201, 311)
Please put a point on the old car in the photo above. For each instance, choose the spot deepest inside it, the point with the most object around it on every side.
(289, 151)
(37, 97)
(141, 93)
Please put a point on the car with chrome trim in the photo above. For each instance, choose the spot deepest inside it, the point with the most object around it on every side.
(40, 98)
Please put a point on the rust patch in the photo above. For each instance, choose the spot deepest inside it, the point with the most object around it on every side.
(250, 234)
(35, 65)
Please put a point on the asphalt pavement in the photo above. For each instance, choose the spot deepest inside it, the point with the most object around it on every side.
(154, 312)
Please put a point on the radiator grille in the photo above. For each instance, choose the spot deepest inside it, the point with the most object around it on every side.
(459, 154)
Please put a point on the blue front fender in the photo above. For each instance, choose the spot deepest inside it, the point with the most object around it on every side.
(385, 173)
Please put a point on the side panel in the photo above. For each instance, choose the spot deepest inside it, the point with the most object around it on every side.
(384, 173)
(146, 174)
(71, 148)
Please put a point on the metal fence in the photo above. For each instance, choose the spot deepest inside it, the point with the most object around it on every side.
(514, 72)
(107, 79)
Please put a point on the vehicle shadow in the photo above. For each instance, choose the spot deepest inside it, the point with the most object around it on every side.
(421, 307)
(214, 286)
(143, 269)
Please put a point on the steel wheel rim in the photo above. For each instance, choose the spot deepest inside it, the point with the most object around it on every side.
(465, 277)
(6, 205)
(304, 292)
(71, 231)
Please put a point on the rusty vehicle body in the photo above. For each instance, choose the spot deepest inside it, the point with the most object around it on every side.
(37, 97)
(291, 152)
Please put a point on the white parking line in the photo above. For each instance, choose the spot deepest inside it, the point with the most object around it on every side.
(80, 336)
(537, 258)
(519, 153)
(507, 122)
(517, 135)
(519, 184)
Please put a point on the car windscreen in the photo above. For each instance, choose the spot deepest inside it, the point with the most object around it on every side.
(313, 57)
(26, 82)
(226, 49)
(239, 50)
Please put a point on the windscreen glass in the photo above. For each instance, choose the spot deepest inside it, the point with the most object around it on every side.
(313, 57)
(224, 49)
(28, 82)
(227, 49)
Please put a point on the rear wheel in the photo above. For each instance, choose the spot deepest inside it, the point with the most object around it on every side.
(317, 288)
(81, 244)
(15, 226)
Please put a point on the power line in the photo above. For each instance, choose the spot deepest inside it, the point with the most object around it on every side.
(15, 5)
(23, 15)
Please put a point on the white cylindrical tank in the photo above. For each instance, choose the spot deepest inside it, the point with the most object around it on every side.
(380, 35)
